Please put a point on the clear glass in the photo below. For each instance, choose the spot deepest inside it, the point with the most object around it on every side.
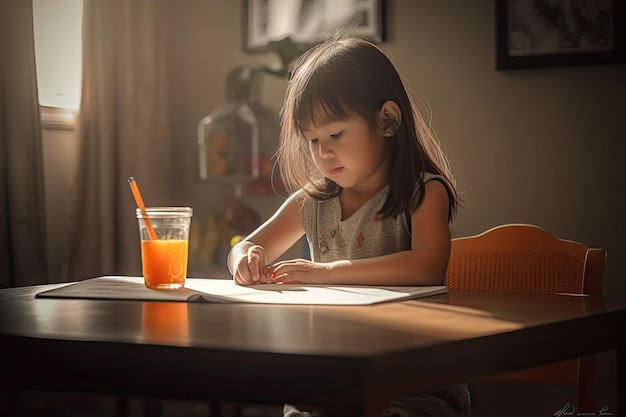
(164, 237)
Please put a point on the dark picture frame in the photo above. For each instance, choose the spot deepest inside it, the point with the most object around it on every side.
(306, 24)
(531, 34)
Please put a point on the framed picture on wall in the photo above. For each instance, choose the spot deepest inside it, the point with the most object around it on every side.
(549, 33)
(309, 21)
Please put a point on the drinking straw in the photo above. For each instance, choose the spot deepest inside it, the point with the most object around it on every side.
(135, 190)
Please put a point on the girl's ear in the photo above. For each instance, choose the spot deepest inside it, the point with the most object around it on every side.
(390, 118)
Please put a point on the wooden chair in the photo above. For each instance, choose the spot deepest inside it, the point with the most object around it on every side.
(526, 258)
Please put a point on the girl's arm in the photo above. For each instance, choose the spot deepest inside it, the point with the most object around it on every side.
(424, 264)
(248, 259)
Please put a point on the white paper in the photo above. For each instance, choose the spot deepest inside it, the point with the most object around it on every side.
(226, 291)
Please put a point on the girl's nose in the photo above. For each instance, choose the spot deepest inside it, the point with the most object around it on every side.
(326, 150)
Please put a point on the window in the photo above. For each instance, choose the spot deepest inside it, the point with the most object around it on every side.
(58, 43)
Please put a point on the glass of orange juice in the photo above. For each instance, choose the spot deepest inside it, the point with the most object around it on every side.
(164, 233)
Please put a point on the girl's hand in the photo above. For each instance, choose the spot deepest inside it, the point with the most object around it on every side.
(251, 267)
(300, 271)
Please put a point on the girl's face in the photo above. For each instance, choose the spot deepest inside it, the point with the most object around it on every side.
(349, 153)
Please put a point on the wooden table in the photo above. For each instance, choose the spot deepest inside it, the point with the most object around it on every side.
(348, 360)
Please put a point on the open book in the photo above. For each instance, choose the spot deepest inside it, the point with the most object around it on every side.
(226, 291)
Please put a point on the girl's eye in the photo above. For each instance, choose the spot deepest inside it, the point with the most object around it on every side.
(313, 141)
(337, 135)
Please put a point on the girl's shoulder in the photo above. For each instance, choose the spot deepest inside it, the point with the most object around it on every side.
(302, 199)
(429, 176)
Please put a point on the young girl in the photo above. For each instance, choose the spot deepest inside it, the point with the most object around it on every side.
(370, 185)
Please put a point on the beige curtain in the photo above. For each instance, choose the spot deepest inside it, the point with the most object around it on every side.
(22, 202)
(123, 131)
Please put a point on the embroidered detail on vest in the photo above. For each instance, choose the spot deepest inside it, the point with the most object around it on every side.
(323, 247)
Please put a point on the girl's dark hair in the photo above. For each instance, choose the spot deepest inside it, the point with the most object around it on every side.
(346, 76)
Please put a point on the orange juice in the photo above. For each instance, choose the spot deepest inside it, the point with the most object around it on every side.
(164, 262)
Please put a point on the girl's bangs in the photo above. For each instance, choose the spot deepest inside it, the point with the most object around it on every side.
(315, 110)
